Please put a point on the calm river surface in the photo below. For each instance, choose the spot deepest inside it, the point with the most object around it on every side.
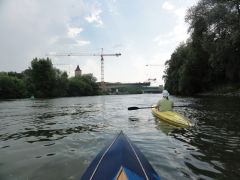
(58, 138)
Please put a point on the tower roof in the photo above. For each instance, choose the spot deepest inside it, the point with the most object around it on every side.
(78, 69)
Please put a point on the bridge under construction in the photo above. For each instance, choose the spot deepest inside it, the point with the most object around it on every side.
(145, 87)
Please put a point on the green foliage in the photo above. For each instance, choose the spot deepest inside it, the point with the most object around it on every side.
(11, 87)
(42, 80)
(212, 54)
(76, 86)
(61, 84)
(43, 77)
(84, 85)
(27, 77)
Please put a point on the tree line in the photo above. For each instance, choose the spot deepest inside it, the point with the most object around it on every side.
(211, 56)
(42, 80)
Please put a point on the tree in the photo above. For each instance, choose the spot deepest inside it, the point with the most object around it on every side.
(212, 54)
(43, 77)
(11, 87)
(84, 85)
(61, 84)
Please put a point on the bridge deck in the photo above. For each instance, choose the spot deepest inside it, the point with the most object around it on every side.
(109, 85)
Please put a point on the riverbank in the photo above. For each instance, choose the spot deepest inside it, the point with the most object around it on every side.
(223, 90)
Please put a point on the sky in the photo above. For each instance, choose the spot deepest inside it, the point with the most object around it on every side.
(145, 32)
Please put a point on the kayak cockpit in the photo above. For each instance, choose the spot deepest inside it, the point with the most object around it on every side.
(120, 160)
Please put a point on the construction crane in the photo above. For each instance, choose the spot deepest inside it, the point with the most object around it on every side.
(89, 54)
(154, 65)
(149, 80)
(154, 79)
(159, 66)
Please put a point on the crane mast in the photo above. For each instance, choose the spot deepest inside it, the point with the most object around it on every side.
(102, 70)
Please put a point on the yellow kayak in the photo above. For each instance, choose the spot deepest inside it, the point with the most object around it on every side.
(172, 118)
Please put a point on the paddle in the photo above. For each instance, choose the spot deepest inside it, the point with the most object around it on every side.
(136, 108)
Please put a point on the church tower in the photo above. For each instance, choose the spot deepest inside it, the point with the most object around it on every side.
(78, 71)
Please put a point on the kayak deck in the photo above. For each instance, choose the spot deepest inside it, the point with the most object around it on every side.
(172, 118)
(120, 160)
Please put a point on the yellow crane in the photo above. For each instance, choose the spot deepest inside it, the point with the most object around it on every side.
(90, 54)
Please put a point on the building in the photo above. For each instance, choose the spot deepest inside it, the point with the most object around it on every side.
(78, 71)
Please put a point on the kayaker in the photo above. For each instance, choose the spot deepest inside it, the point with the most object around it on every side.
(165, 104)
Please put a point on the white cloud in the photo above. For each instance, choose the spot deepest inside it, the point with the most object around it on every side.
(82, 43)
(31, 29)
(92, 65)
(179, 32)
(127, 70)
(95, 16)
(52, 40)
(167, 42)
(180, 13)
(112, 7)
(167, 6)
(73, 31)
(71, 39)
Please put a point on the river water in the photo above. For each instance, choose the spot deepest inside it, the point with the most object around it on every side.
(58, 138)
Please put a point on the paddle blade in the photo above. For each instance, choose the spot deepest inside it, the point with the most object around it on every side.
(133, 108)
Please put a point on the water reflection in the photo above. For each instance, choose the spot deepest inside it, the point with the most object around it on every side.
(5, 146)
(50, 134)
(132, 118)
(217, 145)
(50, 154)
(164, 127)
(49, 144)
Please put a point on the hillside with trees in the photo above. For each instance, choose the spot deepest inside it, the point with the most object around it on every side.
(211, 56)
(42, 80)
